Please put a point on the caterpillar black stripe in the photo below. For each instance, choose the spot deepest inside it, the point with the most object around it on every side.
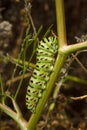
(46, 53)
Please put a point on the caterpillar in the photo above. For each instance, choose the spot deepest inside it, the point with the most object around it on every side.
(45, 57)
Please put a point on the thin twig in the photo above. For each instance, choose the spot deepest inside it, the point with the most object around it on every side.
(15, 79)
(79, 98)
(28, 9)
(78, 61)
(15, 61)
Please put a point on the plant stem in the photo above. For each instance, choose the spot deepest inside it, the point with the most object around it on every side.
(76, 79)
(35, 117)
(61, 28)
(73, 48)
(2, 91)
(20, 121)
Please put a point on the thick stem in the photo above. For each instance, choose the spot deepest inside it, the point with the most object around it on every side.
(66, 50)
(61, 27)
(35, 117)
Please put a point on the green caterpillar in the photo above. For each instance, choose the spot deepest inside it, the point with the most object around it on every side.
(46, 52)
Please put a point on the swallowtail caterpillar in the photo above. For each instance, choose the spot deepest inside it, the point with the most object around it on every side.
(46, 52)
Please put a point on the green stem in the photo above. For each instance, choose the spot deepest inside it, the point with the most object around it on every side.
(66, 50)
(76, 79)
(2, 91)
(35, 117)
(21, 62)
(61, 28)
(20, 121)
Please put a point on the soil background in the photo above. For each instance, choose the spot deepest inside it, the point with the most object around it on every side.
(68, 114)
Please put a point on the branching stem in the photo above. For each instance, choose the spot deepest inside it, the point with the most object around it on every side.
(61, 28)
(20, 121)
